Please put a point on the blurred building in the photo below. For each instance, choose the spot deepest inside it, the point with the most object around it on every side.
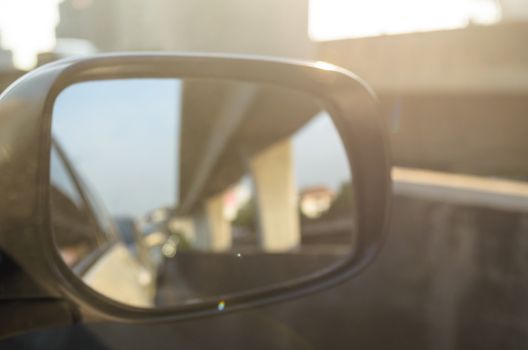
(259, 27)
(66, 47)
(6, 58)
(316, 200)
(234, 199)
(8, 72)
(513, 10)
(92, 20)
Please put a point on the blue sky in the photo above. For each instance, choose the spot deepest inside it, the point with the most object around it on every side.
(123, 137)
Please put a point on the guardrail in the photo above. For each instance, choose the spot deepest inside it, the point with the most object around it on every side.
(461, 189)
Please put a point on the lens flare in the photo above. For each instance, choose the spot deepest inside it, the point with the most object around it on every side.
(221, 305)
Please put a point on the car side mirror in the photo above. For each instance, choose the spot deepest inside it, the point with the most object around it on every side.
(222, 163)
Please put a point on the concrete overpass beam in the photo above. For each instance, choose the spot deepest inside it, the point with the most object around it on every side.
(273, 177)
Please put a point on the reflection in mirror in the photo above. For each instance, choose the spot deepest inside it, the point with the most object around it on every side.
(166, 192)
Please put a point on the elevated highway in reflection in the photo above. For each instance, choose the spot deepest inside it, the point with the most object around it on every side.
(225, 124)
(234, 129)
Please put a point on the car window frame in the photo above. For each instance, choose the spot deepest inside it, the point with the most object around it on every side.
(105, 240)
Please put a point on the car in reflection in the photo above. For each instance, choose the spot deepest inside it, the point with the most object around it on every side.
(128, 231)
(90, 243)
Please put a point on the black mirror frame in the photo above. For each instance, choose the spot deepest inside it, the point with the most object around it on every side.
(350, 102)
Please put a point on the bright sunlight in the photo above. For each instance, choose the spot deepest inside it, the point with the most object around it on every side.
(338, 19)
(28, 26)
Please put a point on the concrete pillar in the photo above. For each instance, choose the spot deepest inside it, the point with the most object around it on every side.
(220, 228)
(212, 230)
(273, 177)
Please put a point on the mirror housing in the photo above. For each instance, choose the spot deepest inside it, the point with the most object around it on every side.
(25, 144)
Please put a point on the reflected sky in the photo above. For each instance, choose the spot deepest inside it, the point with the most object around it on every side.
(123, 137)
(319, 155)
(118, 125)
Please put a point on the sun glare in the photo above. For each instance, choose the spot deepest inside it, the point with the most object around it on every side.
(337, 19)
(28, 27)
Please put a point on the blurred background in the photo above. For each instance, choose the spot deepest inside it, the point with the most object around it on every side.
(452, 79)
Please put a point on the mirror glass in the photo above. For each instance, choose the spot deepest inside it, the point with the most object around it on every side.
(166, 192)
